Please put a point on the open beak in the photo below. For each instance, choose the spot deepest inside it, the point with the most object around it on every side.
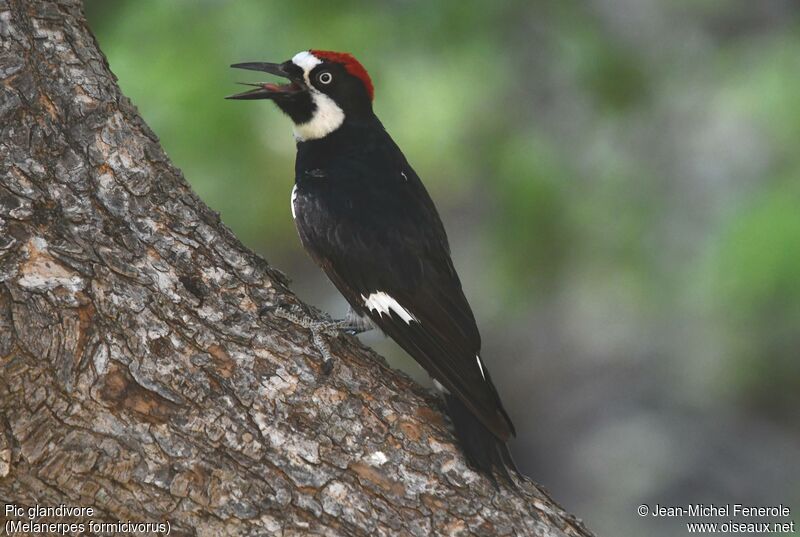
(267, 90)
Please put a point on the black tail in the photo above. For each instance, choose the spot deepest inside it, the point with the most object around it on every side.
(484, 450)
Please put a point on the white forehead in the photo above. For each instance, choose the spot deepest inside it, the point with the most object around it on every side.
(306, 61)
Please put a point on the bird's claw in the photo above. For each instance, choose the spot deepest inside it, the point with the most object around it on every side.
(318, 329)
(327, 363)
(270, 309)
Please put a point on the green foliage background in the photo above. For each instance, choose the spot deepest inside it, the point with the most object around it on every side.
(621, 183)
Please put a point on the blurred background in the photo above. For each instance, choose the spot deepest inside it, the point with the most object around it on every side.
(620, 180)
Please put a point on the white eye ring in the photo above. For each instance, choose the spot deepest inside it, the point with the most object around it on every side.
(325, 77)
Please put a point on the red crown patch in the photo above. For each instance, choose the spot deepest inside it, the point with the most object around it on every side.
(352, 65)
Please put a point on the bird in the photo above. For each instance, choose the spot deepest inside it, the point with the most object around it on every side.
(365, 217)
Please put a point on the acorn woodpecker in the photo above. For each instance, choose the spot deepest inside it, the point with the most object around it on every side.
(366, 219)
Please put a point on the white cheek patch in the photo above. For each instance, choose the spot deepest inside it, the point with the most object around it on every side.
(383, 303)
(294, 197)
(327, 116)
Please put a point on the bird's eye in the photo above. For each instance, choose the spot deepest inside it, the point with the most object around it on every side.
(325, 77)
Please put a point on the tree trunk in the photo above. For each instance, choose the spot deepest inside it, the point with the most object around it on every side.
(136, 376)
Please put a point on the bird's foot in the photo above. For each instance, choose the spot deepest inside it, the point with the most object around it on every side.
(317, 327)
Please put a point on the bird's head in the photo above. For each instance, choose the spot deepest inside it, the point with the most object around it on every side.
(325, 89)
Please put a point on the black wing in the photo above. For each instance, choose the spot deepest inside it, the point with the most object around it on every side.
(381, 242)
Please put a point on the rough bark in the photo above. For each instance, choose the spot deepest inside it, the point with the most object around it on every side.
(136, 376)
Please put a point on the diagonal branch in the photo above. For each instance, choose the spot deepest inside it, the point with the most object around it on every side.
(136, 376)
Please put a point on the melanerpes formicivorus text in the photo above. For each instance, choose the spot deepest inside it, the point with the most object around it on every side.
(365, 217)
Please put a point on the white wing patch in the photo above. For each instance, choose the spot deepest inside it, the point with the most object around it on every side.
(480, 366)
(294, 197)
(383, 303)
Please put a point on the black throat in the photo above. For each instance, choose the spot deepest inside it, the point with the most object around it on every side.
(299, 107)
(354, 138)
